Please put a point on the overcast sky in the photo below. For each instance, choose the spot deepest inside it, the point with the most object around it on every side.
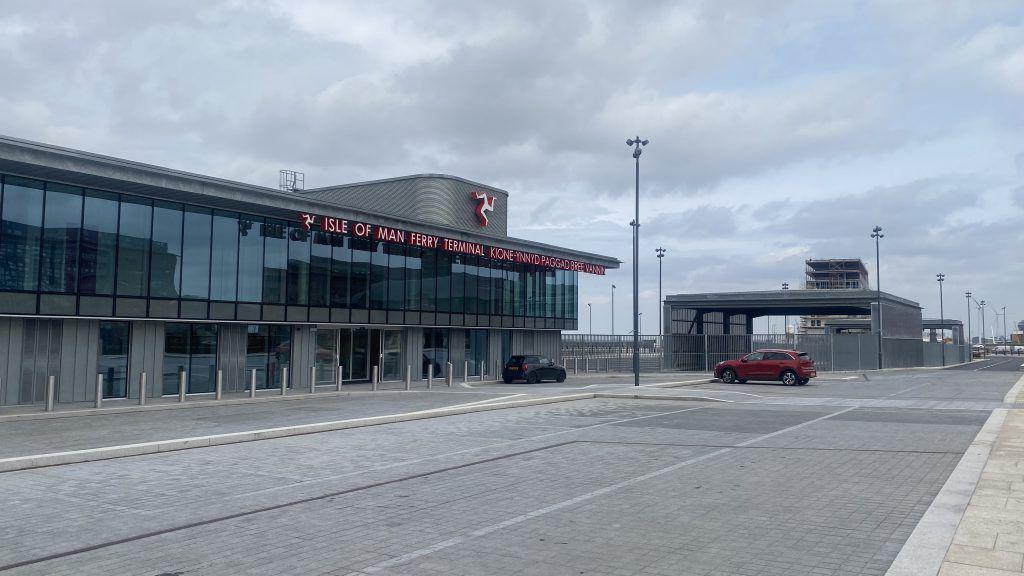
(780, 130)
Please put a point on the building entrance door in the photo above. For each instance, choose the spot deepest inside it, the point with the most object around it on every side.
(326, 359)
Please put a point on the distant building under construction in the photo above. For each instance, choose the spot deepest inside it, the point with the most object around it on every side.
(831, 274)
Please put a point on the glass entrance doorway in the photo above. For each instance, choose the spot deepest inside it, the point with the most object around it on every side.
(326, 358)
(360, 349)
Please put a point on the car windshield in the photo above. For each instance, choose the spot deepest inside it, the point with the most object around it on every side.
(803, 356)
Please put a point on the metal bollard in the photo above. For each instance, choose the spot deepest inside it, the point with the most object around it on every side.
(284, 380)
(182, 380)
(218, 387)
(482, 366)
(341, 376)
(465, 372)
(408, 377)
(99, 391)
(142, 389)
(575, 365)
(51, 384)
(312, 379)
(252, 383)
(430, 376)
(374, 374)
(448, 374)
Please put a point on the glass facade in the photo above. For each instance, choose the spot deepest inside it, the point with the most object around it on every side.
(191, 348)
(112, 358)
(268, 351)
(62, 239)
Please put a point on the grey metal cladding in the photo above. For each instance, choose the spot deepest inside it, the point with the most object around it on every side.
(432, 198)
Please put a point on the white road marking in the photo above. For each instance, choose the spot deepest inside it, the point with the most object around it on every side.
(572, 501)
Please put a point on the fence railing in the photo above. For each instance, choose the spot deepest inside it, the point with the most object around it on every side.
(700, 352)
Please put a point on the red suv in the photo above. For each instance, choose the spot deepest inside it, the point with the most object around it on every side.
(790, 366)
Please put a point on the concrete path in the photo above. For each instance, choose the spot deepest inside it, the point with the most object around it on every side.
(990, 538)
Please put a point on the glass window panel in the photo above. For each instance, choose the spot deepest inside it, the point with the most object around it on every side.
(444, 281)
(202, 358)
(458, 298)
(257, 350)
(360, 280)
(112, 358)
(298, 265)
(428, 275)
(483, 282)
(396, 276)
(413, 264)
(280, 354)
(559, 284)
(379, 278)
(508, 296)
(497, 286)
(20, 234)
(320, 270)
(62, 223)
(275, 261)
(195, 279)
(519, 290)
(435, 352)
(250, 259)
(341, 260)
(133, 247)
(99, 244)
(224, 259)
(470, 284)
(165, 280)
(476, 350)
(175, 355)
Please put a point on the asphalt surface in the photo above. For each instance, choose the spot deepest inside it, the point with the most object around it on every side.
(829, 478)
(999, 363)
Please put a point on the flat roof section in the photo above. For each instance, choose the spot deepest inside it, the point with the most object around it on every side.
(789, 302)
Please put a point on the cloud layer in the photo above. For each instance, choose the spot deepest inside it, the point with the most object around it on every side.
(779, 130)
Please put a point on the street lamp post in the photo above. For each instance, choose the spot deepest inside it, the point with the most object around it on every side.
(785, 318)
(981, 305)
(590, 312)
(1005, 342)
(613, 309)
(942, 317)
(970, 344)
(661, 254)
(876, 233)
(637, 145)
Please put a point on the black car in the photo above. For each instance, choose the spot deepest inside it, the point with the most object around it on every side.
(533, 369)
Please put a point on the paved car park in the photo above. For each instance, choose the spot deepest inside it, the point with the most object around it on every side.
(830, 478)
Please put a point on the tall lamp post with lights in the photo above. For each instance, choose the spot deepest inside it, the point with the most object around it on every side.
(613, 309)
(590, 313)
(970, 343)
(942, 317)
(661, 254)
(876, 233)
(785, 318)
(637, 145)
(981, 306)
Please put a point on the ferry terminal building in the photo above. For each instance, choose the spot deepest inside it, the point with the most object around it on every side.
(114, 267)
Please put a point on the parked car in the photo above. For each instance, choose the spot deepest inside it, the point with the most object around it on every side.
(791, 367)
(533, 369)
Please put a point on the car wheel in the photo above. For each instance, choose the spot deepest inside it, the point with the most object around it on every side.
(728, 375)
(532, 378)
(789, 378)
(561, 377)
(507, 380)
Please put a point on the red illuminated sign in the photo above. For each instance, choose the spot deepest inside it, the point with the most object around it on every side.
(419, 239)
